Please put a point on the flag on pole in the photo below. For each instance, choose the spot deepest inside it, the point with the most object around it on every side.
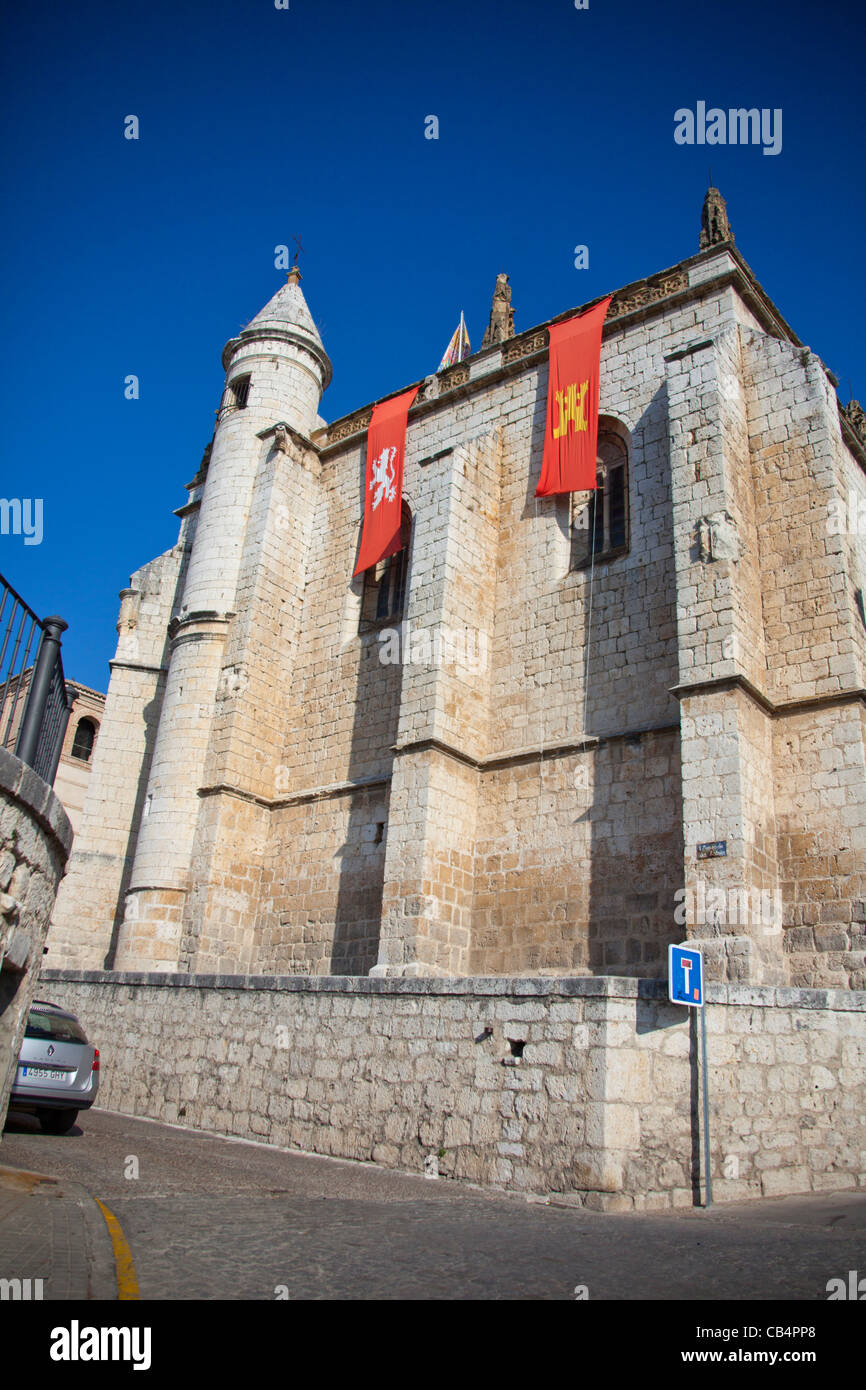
(383, 488)
(569, 463)
(458, 348)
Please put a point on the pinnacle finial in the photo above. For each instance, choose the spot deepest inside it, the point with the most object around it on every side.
(501, 325)
(715, 226)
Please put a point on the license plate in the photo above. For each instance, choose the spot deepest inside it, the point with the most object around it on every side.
(44, 1074)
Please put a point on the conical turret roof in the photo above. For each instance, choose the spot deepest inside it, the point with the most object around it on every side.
(286, 315)
(287, 309)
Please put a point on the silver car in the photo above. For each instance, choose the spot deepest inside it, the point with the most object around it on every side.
(58, 1069)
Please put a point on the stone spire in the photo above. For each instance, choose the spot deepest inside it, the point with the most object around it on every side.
(287, 309)
(285, 317)
(715, 226)
(501, 325)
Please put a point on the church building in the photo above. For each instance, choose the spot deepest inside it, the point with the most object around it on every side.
(550, 736)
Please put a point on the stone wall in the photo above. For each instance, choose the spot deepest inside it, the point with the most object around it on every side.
(578, 860)
(73, 773)
(581, 1086)
(35, 840)
(91, 899)
(322, 885)
(821, 788)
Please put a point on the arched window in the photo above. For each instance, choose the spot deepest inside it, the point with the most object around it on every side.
(599, 527)
(82, 744)
(384, 592)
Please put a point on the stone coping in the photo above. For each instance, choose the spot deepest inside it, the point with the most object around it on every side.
(22, 785)
(525, 987)
(731, 269)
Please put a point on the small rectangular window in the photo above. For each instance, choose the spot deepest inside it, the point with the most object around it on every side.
(616, 507)
(235, 396)
(581, 531)
(597, 522)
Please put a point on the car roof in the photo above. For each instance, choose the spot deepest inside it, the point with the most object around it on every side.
(43, 1004)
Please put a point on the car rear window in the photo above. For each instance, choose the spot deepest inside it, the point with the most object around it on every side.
(57, 1027)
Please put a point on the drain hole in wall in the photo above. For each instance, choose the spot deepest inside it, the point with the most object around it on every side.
(517, 1045)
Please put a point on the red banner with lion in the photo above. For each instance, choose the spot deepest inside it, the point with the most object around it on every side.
(383, 488)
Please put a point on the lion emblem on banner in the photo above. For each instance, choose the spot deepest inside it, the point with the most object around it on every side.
(383, 480)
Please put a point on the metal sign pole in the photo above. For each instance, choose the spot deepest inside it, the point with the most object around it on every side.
(686, 986)
(708, 1178)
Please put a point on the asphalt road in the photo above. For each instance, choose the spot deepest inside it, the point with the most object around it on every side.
(214, 1218)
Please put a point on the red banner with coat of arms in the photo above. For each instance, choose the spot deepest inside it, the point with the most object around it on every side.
(569, 463)
(383, 488)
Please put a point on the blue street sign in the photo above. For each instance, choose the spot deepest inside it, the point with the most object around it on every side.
(685, 977)
(686, 986)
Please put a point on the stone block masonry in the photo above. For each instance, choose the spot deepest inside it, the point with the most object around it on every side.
(35, 840)
(571, 1085)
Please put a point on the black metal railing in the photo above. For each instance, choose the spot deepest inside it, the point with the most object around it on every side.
(235, 397)
(34, 700)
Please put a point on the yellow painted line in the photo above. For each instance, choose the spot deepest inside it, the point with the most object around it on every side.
(127, 1283)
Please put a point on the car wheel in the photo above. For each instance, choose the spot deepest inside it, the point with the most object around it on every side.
(57, 1121)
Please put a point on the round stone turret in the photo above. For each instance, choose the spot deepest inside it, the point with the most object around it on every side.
(276, 371)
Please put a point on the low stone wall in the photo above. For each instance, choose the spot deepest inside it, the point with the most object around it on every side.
(35, 840)
(583, 1086)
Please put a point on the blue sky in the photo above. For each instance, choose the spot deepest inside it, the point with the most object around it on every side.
(256, 124)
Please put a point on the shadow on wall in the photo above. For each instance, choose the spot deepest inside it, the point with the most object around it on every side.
(150, 715)
(358, 914)
(636, 811)
(593, 859)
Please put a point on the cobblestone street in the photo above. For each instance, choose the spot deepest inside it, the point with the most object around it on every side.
(212, 1218)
